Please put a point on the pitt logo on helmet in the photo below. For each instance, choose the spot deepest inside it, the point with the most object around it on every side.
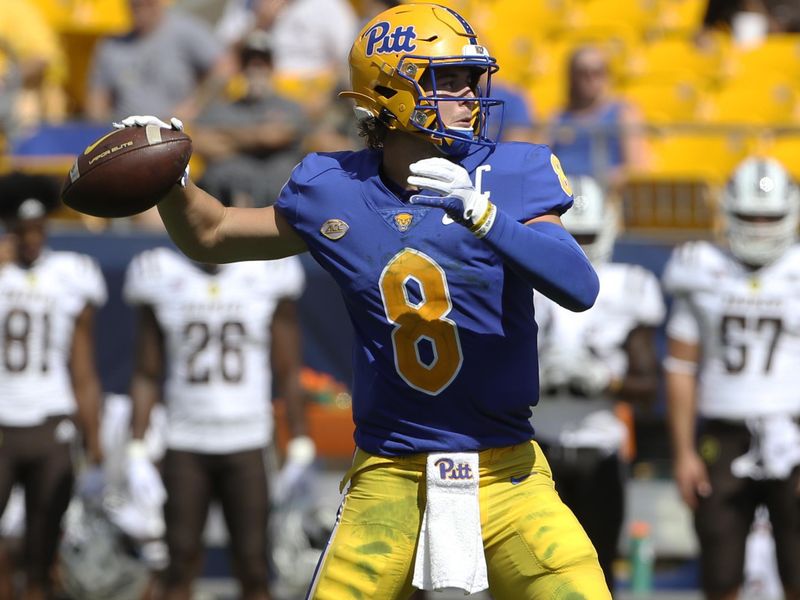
(400, 40)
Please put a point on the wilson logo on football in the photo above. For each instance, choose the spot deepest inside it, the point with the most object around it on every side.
(380, 41)
(334, 229)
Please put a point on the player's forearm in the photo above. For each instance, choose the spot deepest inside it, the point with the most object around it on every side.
(206, 231)
(546, 256)
(88, 393)
(192, 218)
(145, 392)
(681, 412)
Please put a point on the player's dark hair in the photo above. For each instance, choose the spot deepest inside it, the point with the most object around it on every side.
(373, 131)
(16, 187)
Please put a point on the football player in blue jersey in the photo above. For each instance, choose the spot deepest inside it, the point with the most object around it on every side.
(436, 236)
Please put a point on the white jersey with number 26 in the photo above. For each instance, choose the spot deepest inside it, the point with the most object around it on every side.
(216, 331)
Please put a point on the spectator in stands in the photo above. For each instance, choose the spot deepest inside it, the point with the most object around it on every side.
(371, 8)
(250, 144)
(596, 134)
(32, 67)
(210, 334)
(517, 115)
(593, 367)
(749, 21)
(312, 40)
(49, 387)
(169, 63)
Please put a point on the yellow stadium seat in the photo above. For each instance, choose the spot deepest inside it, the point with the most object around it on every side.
(696, 155)
(755, 104)
(513, 31)
(662, 102)
(547, 96)
(776, 59)
(680, 17)
(100, 17)
(786, 148)
(674, 59)
(610, 16)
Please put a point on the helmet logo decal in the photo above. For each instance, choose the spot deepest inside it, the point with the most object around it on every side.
(381, 41)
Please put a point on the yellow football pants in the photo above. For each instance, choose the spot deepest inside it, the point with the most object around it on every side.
(534, 546)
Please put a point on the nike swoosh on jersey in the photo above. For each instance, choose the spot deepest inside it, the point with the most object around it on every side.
(520, 479)
(446, 220)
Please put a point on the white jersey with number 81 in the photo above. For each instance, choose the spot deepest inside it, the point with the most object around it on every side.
(38, 309)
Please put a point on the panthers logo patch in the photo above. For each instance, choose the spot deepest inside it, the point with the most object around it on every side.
(403, 221)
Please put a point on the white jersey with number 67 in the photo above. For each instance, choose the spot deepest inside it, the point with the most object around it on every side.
(747, 323)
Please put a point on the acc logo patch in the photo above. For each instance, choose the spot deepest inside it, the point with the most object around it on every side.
(403, 221)
(562, 179)
(334, 229)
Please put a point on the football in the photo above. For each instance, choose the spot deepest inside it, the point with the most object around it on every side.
(126, 171)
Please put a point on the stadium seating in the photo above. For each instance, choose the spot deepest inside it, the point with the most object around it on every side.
(785, 148)
(674, 59)
(696, 154)
(679, 18)
(767, 103)
(663, 101)
(776, 59)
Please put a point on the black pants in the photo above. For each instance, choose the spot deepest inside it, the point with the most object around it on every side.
(723, 520)
(592, 484)
(40, 459)
(239, 481)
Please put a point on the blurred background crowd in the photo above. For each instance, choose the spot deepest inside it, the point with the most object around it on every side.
(656, 100)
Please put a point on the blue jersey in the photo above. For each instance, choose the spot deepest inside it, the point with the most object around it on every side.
(445, 338)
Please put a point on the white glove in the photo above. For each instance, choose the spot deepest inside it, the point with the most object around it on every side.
(590, 376)
(293, 476)
(144, 482)
(459, 197)
(145, 120)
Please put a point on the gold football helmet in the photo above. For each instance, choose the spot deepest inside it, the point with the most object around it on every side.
(396, 49)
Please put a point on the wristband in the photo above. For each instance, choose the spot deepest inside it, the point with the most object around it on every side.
(681, 366)
(301, 449)
(484, 224)
(137, 449)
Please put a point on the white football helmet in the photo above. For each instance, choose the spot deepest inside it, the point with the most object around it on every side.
(593, 219)
(95, 560)
(760, 206)
(299, 530)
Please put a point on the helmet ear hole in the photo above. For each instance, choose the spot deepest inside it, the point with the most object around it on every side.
(384, 91)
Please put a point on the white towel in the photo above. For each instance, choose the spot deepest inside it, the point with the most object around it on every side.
(450, 545)
(601, 429)
(774, 449)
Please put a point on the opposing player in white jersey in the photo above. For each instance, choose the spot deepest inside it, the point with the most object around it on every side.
(593, 365)
(213, 331)
(49, 388)
(733, 358)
